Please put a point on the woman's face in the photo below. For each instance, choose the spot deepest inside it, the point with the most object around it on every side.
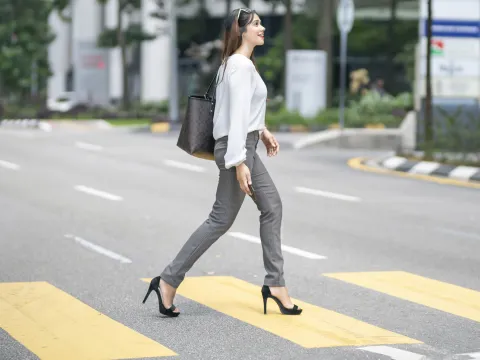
(255, 32)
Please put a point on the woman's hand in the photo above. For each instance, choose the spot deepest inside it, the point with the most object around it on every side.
(244, 178)
(272, 145)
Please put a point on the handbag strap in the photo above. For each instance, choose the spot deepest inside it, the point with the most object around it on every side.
(210, 86)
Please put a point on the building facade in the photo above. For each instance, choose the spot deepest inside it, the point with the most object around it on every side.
(79, 66)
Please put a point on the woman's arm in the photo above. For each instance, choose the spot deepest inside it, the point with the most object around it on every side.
(240, 87)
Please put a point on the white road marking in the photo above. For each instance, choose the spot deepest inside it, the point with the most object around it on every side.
(394, 354)
(87, 146)
(424, 167)
(463, 172)
(326, 194)
(99, 249)
(185, 166)
(473, 356)
(393, 162)
(285, 248)
(460, 233)
(99, 193)
(9, 165)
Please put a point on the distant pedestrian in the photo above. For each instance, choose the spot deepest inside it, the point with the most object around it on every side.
(239, 123)
(378, 87)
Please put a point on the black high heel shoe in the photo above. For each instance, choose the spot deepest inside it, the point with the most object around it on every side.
(285, 311)
(155, 286)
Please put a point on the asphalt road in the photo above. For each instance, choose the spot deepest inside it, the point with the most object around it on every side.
(381, 264)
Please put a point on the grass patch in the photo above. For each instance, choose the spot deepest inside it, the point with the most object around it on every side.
(129, 122)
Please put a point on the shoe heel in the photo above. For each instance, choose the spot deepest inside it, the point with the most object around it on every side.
(265, 294)
(148, 294)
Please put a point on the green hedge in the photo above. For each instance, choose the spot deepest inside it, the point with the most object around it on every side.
(328, 117)
(369, 109)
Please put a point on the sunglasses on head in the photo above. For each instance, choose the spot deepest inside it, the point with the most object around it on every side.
(248, 11)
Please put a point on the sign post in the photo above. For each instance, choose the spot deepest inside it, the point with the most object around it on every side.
(345, 19)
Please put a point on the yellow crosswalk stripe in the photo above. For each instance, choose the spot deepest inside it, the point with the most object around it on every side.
(316, 327)
(432, 293)
(56, 326)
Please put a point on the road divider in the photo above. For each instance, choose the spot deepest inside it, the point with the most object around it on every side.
(26, 123)
(326, 194)
(286, 248)
(99, 193)
(52, 324)
(421, 170)
(99, 249)
(9, 165)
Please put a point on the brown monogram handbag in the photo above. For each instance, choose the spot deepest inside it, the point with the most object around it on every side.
(196, 134)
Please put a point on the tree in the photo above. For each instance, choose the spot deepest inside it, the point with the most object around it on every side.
(228, 6)
(247, 3)
(392, 43)
(428, 123)
(25, 35)
(123, 37)
(325, 40)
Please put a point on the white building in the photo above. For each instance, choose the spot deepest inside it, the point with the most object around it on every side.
(98, 72)
(75, 48)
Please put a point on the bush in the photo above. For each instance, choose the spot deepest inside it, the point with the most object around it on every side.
(282, 117)
(151, 107)
(328, 117)
(373, 104)
(369, 109)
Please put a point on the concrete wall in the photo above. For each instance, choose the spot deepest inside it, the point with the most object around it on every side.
(155, 68)
(114, 58)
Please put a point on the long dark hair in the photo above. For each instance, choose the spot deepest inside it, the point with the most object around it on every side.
(232, 32)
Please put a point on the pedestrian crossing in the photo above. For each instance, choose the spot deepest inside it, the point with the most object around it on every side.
(319, 328)
(432, 293)
(55, 325)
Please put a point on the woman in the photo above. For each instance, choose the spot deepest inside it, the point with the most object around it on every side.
(239, 123)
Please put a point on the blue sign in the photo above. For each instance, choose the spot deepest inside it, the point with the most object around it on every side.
(453, 28)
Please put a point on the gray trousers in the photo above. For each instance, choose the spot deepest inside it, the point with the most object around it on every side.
(229, 199)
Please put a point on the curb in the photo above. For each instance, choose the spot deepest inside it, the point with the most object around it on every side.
(466, 176)
(26, 123)
(160, 127)
(299, 128)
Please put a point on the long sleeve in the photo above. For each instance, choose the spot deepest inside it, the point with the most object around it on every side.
(240, 87)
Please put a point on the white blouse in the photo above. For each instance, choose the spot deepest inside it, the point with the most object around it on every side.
(241, 96)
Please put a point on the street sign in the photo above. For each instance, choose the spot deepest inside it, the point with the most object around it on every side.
(453, 28)
(345, 19)
(345, 15)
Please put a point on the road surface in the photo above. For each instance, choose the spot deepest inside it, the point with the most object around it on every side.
(384, 267)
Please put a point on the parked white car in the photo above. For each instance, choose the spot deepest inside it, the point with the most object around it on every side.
(63, 102)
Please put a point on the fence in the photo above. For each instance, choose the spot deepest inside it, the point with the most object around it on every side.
(456, 129)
